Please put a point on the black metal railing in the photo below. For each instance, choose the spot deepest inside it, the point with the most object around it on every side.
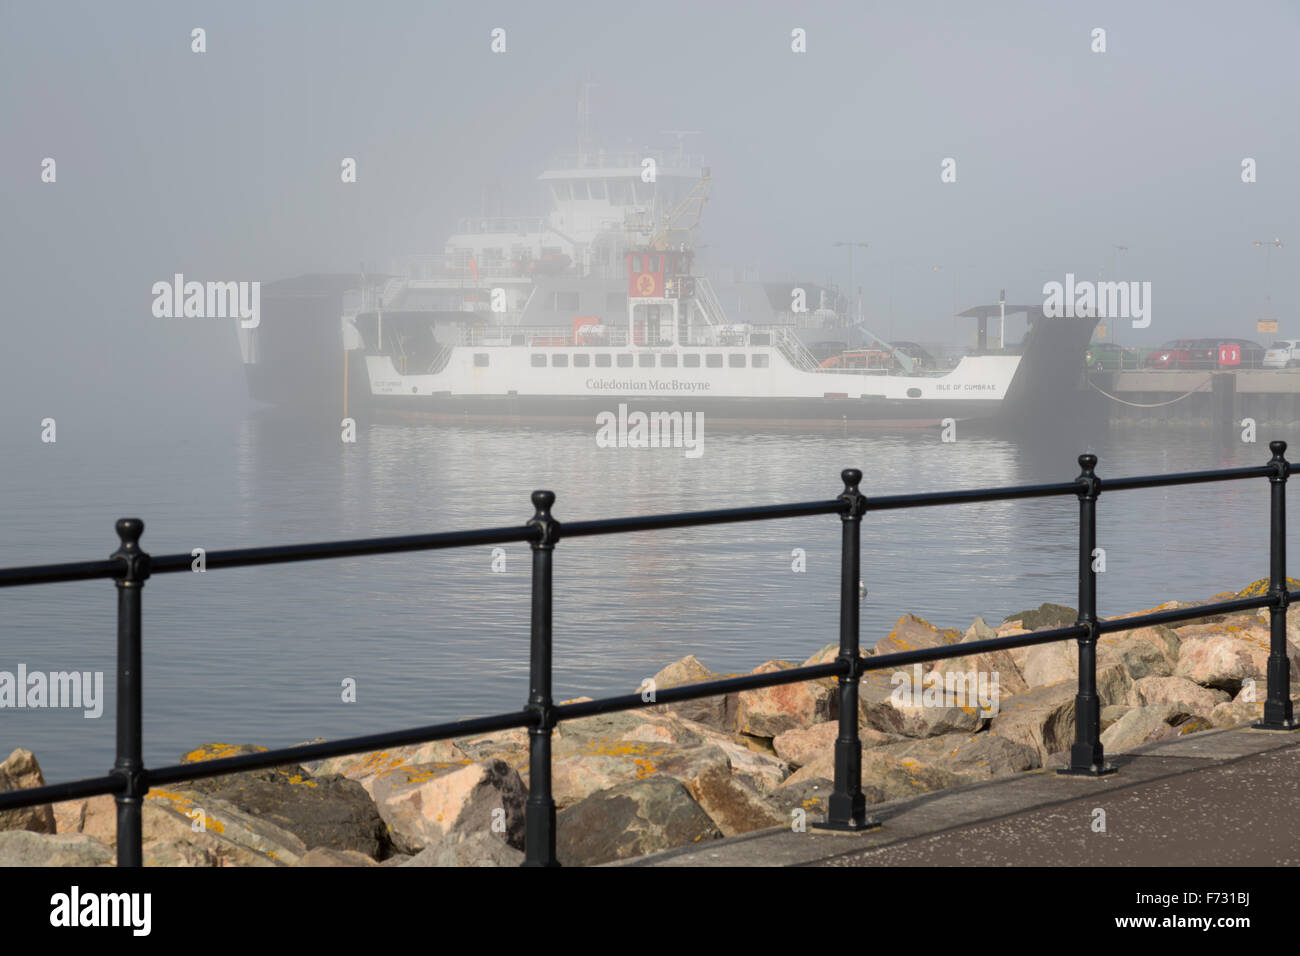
(130, 568)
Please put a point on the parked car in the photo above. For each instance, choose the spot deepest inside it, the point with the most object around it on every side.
(1285, 353)
(1107, 356)
(1220, 353)
(1176, 353)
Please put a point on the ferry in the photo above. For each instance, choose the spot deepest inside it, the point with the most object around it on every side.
(559, 317)
(675, 352)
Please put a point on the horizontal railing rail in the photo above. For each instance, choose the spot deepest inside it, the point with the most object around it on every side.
(129, 567)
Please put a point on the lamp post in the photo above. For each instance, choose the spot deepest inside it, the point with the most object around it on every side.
(1267, 244)
(852, 303)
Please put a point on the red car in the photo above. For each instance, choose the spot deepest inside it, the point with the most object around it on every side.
(1176, 353)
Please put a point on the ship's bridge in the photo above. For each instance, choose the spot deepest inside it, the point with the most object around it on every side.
(603, 192)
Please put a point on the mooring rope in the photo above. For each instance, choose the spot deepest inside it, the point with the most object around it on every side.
(1198, 388)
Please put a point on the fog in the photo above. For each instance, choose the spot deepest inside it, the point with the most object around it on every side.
(225, 165)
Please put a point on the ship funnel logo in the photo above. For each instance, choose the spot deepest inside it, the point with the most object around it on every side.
(210, 300)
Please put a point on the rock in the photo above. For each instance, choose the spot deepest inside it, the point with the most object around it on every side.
(718, 712)
(913, 633)
(1112, 713)
(219, 751)
(761, 769)
(1042, 719)
(1237, 712)
(884, 776)
(226, 835)
(769, 711)
(1139, 726)
(479, 849)
(1009, 679)
(798, 747)
(1187, 724)
(1223, 656)
(972, 756)
(328, 811)
(827, 654)
(631, 819)
(1187, 696)
(324, 856)
(235, 836)
(809, 795)
(508, 745)
(733, 805)
(430, 804)
(947, 714)
(1046, 664)
(365, 766)
(1261, 587)
(20, 771)
(178, 853)
(1145, 652)
(595, 765)
(94, 816)
(1044, 617)
(26, 848)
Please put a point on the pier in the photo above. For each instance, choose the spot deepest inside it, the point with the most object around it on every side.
(1216, 398)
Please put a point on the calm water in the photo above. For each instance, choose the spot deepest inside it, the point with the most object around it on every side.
(258, 655)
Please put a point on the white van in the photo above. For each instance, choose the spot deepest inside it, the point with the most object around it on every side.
(1283, 353)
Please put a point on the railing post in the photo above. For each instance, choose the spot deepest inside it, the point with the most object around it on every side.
(539, 812)
(847, 807)
(130, 746)
(1277, 706)
(1087, 755)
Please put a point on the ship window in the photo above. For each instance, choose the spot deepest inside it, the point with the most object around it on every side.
(713, 360)
(636, 263)
(625, 360)
(579, 190)
(480, 360)
(581, 360)
(646, 360)
(736, 360)
(602, 360)
(913, 393)
(559, 361)
(620, 192)
(597, 187)
(668, 361)
(566, 302)
(759, 360)
(538, 360)
(561, 191)
(691, 360)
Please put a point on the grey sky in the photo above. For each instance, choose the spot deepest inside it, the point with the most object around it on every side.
(225, 165)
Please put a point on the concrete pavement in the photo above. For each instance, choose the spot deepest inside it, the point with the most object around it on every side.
(1224, 797)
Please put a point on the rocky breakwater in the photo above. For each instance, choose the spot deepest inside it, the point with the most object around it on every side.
(670, 775)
